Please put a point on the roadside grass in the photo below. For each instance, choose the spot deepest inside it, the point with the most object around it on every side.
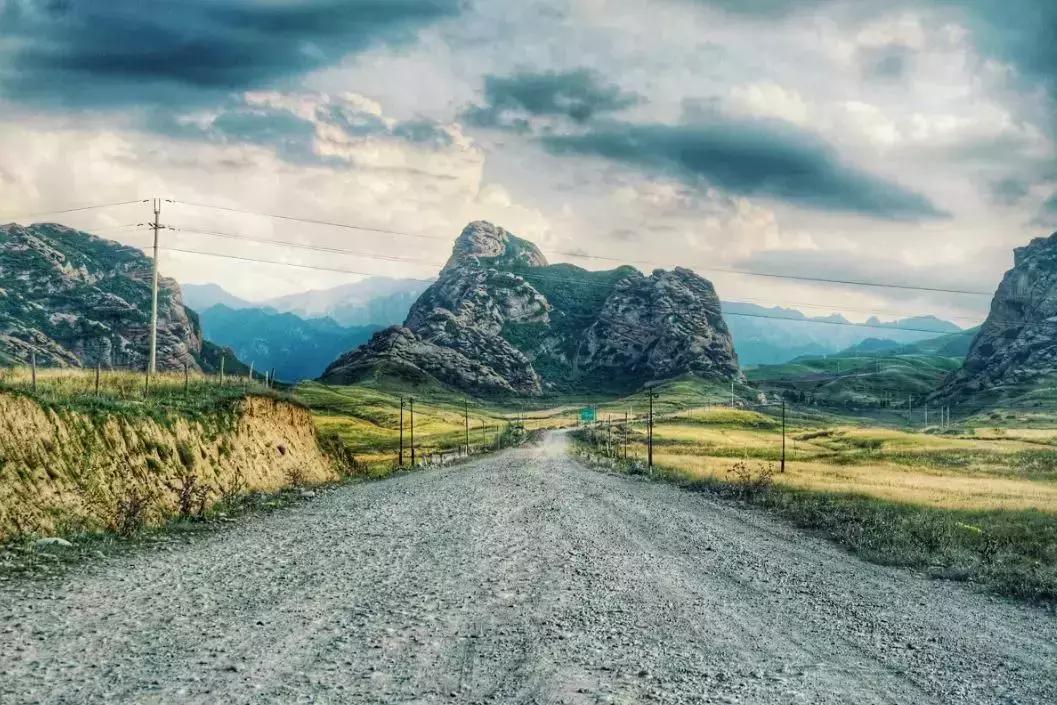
(124, 392)
(24, 559)
(974, 507)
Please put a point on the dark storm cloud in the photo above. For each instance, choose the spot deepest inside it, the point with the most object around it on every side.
(756, 158)
(83, 52)
(1022, 32)
(578, 95)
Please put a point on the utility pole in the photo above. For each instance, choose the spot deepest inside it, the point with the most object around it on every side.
(926, 414)
(411, 402)
(466, 422)
(649, 429)
(97, 364)
(783, 435)
(609, 435)
(625, 436)
(401, 432)
(153, 359)
(222, 359)
(33, 366)
(731, 396)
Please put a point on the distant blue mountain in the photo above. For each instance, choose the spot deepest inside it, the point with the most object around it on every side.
(297, 348)
(772, 335)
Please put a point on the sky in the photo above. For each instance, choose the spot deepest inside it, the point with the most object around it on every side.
(889, 141)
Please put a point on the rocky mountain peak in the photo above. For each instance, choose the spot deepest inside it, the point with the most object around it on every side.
(500, 319)
(482, 242)
(1018, 341)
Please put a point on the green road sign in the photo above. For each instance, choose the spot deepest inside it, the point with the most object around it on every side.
(587, 414)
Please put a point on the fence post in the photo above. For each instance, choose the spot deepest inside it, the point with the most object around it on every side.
(222, 358)
(186, 379)
(33, 365)
(97, 378)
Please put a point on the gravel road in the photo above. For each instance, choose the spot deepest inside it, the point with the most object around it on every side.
(519, 578)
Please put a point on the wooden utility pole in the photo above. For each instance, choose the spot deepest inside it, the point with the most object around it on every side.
(783, 435)
(401, 432)
(609, 435)
(153, 358)
(33, 367)
(649, 429)
(251, 372)
(222, 359)
(97, 378)
(625, 436)
(411, 406)
(466, 423)
(731, 394)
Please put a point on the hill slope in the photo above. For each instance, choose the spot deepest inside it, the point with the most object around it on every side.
(297, 348)
(500, 319)
(76, 299)
(1014, 355)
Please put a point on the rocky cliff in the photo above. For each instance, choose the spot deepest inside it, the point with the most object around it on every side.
(76, 299)
(1017, 344)
(500, 319)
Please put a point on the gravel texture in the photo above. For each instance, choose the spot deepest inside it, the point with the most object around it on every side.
(519, 578)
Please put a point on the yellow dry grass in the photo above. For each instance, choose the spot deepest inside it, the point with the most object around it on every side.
(886, 481)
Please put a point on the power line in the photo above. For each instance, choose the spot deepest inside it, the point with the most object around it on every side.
(584, 255)
(70, 210)
(312, 221)
(429, 281)
(396, 258)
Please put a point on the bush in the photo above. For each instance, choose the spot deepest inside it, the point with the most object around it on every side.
(130, 513)
(191, 496)
(748, 483)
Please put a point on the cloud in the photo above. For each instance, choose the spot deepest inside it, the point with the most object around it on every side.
(888, 62)
(750, 158)
(119, 51)
(579, 96)
(1019, 32)
(763, 8)
(301, 128)
(1047, 215)
(1009, 191)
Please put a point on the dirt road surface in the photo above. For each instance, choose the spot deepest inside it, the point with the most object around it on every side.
(519, 578)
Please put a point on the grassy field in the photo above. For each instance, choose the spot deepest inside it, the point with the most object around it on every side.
(127, 393)
(976, 504)
(367, 419)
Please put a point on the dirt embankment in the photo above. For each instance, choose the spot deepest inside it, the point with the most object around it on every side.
(65, 471)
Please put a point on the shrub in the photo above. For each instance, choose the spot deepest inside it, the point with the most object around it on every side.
(748, 483)
(130, 513)
(191, 495)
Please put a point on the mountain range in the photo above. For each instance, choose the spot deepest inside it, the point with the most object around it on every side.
(772, 335)
(296, 348)
(374, 301)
